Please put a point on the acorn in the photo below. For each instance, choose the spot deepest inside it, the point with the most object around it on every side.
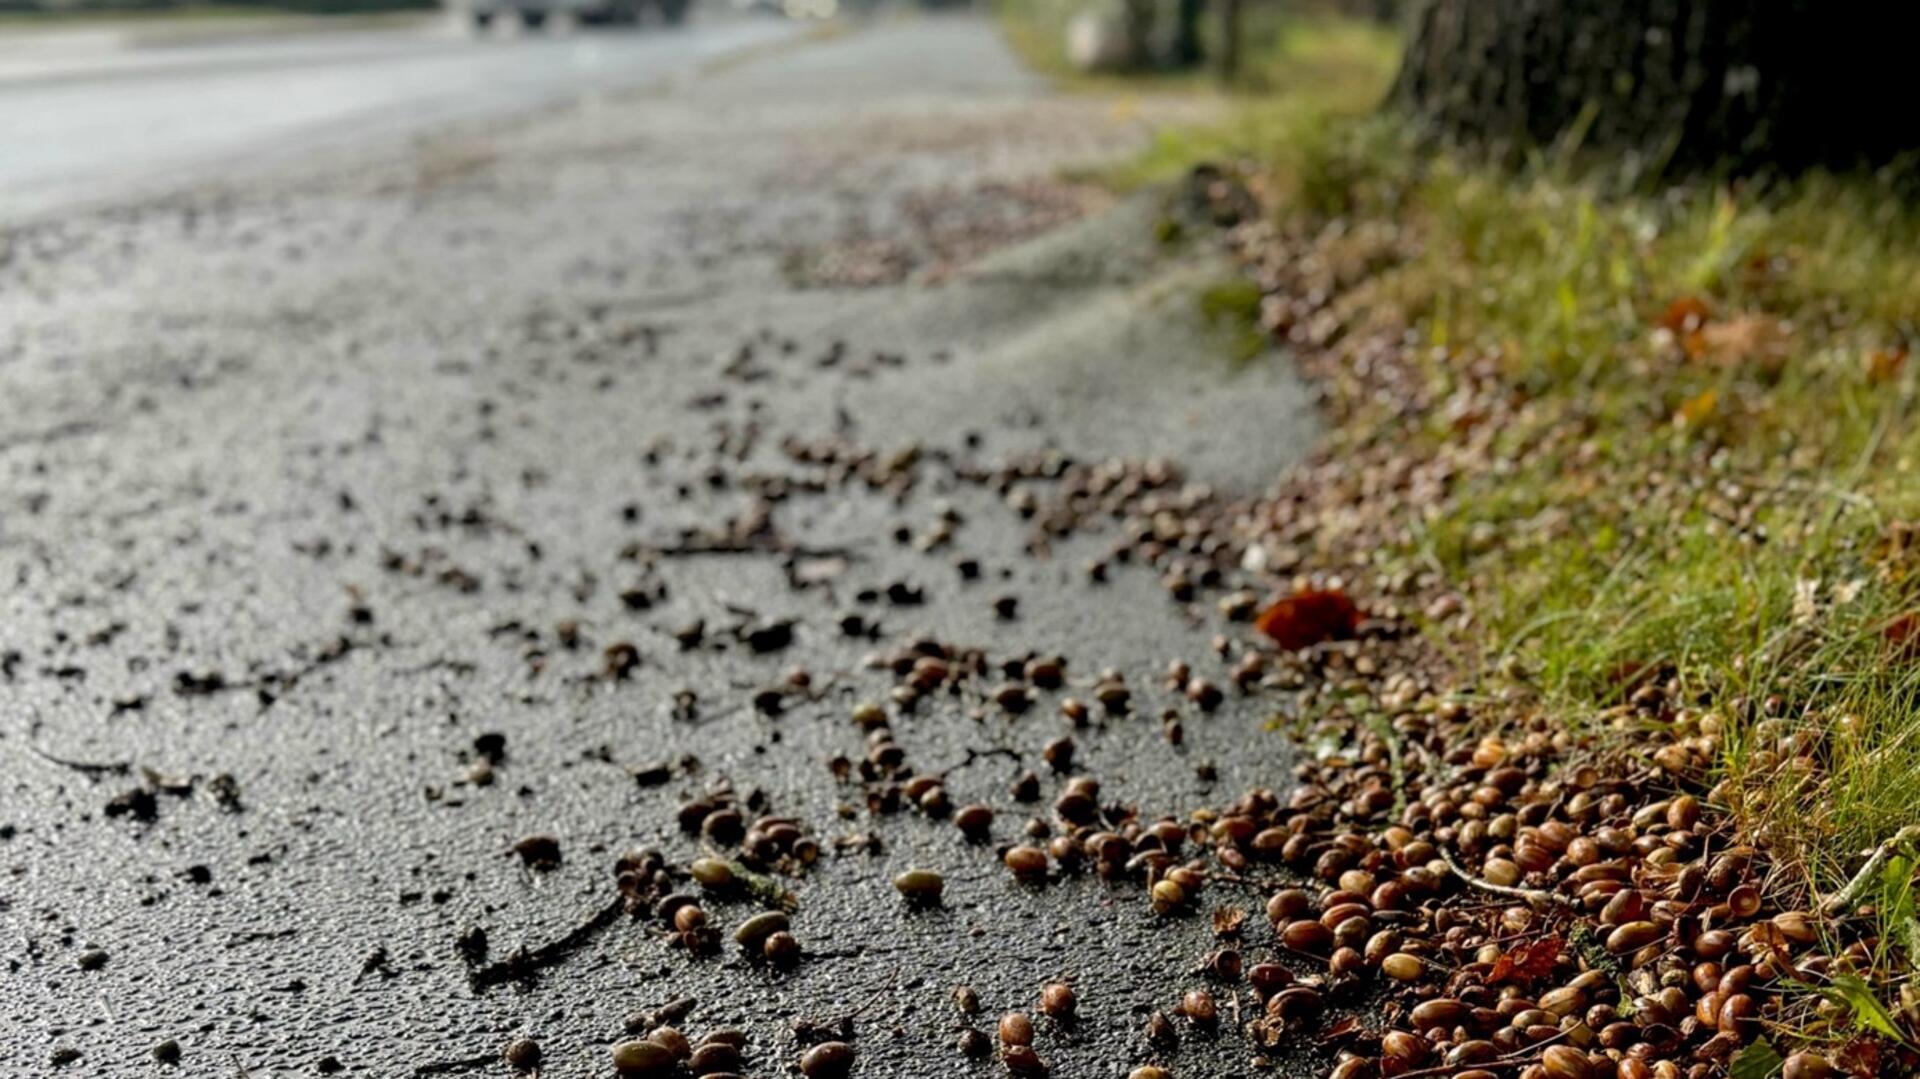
(1027, 863)
(1198, 1005)
(920, 886)
(828, 1060)
(1016, 1029)
(521, 1054)
(1057, 1000)
(752, 934)
(643, 1058)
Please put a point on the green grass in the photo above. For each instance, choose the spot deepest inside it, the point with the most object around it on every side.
(1287, 47)
(1720, 511)
(1722, 508)
(1233, 307)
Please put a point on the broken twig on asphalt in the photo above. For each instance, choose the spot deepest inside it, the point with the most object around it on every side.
(524, 964)
(90, 768)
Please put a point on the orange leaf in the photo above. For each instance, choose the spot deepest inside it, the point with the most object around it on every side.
(1903, 636)
(1860, 1057)
(1527, 962)
(1697, 410)
(1308, 617)
(1685, 315)
(1884, 364)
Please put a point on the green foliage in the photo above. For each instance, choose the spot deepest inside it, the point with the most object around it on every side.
(1759, 1060)
(1233, 306)
(1717, 507)
(1235, 301)
(1289, 50)
(1664, 502)
(1899, 920)
(1857, 996)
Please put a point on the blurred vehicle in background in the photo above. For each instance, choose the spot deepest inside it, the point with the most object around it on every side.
(792, 9)
(534, 14)
(827, 9)
(810, 9)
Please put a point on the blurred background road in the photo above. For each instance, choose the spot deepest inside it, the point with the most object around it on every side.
(95, 114)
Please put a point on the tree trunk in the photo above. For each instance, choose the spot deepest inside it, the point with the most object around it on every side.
(1139, 23)
(1231, 30)
(1677, 85)
(1187, 50)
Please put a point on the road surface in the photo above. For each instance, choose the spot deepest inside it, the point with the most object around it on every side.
(357, 510)
(92, 115)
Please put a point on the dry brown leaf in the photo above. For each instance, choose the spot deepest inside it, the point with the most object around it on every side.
(1685, 315)
(1309, 617)
(1884, 364)
(1747, 341)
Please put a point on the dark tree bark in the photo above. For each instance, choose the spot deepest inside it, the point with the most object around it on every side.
(1139, 23)
(1680, 85)
(1187, 50)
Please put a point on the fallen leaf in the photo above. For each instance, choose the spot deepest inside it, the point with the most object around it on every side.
(1759, 1060)
(1227, 921)
(1685, 315)
(1853, 991)
(1903, 636)
(1696, 410)
(1528, 962)
(1806, 601)
(1309, 617)
(1859, 1057)
(1747, 341)
(1884, 364)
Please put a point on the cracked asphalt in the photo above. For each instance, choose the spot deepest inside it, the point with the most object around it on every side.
(316, 472)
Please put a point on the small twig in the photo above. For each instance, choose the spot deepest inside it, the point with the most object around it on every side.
(850, 1016)
(697, 717)
(89, 768)
(1856, 889)
(1533, 896)
(523, 963)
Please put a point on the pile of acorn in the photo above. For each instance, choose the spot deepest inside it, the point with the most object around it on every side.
(1495, 912)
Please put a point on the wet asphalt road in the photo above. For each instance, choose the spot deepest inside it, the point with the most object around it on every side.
(88, 117)
(304, 472)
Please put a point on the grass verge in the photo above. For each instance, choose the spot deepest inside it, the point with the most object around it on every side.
(1643, 458)
(1679, 437)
